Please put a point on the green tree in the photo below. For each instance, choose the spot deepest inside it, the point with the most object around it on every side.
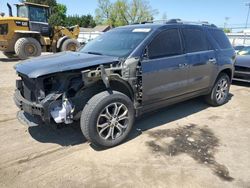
(58, 15)
(82, 21)
(103, 12)
(226, 30)
(123, 12)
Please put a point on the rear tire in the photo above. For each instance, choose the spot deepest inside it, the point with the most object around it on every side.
(219, 94)
(27, 47)
(70, 45)
(107, 118)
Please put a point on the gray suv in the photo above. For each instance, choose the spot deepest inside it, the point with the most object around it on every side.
(125, 72)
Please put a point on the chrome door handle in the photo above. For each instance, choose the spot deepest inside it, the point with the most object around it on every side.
(212, 60)
(183, 65)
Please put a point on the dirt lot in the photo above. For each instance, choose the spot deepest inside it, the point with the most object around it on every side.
(186, 145)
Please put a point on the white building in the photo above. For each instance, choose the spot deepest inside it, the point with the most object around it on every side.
(240, 38)
(88, 34)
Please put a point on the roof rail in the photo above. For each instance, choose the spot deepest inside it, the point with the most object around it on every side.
(177, 21)
(202, 23)
(143, 22)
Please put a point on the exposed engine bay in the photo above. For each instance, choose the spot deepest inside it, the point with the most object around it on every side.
(61, 96)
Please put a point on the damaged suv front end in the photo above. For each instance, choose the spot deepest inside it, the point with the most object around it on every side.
(58, 95)
(56, 88)
(48, 96)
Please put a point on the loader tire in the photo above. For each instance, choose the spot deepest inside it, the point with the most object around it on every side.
(70, 45)
(27, 47)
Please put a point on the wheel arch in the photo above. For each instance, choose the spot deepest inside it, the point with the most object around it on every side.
(227, 71)
(61, 41)
(98, 87)
(26, 34)
(115, 85)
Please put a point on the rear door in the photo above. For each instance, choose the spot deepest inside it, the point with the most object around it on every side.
(164, 74)
(201, 59)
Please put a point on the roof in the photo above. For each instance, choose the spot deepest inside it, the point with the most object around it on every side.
(98, 28)
(34, 4)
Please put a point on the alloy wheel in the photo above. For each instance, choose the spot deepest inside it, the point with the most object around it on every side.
(112, 121)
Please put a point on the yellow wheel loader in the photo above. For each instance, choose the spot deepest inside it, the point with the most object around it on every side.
(28, 34)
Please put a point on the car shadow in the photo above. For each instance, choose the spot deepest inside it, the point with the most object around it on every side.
(63, 135)
(9, 60)
(164, 116)
(169, 114)
(70, 135)
(243, 84)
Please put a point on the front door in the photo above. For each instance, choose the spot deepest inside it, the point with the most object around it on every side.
(164, 72)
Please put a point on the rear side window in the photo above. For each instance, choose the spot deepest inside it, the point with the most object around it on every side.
(3, 29)
(167, 43)
(195, 40)
(220, 38)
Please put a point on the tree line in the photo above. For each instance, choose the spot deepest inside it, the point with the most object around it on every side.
(118, 13)
(59, 16)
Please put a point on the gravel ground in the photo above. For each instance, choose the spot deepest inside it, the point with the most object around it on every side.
(186, 145)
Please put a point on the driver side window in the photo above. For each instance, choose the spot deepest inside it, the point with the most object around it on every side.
(166, 44)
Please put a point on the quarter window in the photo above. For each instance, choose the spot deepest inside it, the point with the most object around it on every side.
(220, 38)
(194, 40)
(165, 44)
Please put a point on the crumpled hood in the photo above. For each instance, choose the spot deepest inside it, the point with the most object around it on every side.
(60, 62)
(243, 61)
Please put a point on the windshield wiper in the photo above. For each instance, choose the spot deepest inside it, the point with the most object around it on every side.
(94, 53)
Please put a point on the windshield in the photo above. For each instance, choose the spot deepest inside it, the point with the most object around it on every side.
(38, 14)
(118, 42)
(244, 51)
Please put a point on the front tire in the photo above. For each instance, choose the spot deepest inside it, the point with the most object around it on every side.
(70, 45)
(27, 47)
(107, 118)
(220, 91)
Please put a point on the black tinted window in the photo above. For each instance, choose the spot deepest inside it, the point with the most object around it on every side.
(3, 29)
(220, 38)
(38, 14)
(165, 44)
(195, 40)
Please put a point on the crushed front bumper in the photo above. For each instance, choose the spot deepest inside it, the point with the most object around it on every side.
(27, 106)
(49, 108)
(32, 108)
